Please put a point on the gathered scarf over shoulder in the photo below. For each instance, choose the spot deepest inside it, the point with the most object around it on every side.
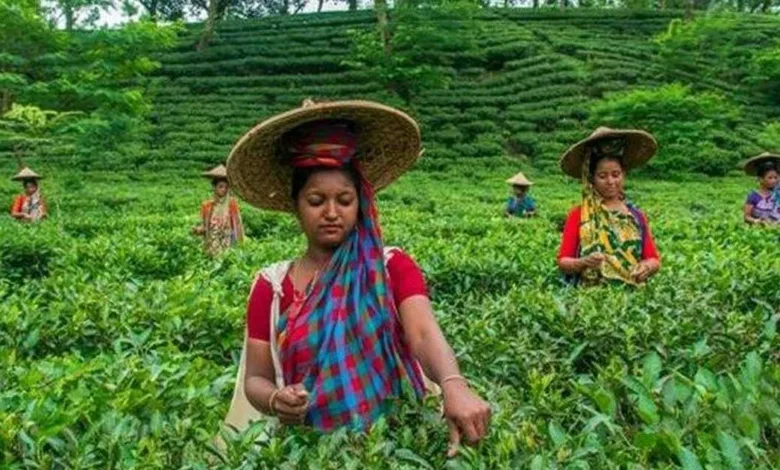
(615, 234)
(34, 206)
(776, 201)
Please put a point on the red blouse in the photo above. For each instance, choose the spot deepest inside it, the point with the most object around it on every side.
(570, 242)
(404, 276)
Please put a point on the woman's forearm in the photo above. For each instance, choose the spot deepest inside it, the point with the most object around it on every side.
(258, 390)
(748, 211)
(435, 355)
(655, 264)
(260, 375)
(571, 265)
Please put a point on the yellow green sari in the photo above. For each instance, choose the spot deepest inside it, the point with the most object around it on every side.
(615, 234)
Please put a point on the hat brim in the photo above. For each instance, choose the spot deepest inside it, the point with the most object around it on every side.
(640, 148)
(388, 144)
(751, 165)
(519, 183)
(27, 178)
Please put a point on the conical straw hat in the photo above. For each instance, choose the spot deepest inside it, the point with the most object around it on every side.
(26, 174)
(519, 180)
(751, 165)
(640, 147)
(216, 172)
(388, 144)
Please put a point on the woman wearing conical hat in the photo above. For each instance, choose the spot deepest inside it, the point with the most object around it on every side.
(221, 226)
(607, 238)
(763, 206)
(339, 333)
(29, 206)
(520, 203)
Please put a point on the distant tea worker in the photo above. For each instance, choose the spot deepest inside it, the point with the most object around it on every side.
(221, 226)
(520, 203)
(29, 206)
(607, 238)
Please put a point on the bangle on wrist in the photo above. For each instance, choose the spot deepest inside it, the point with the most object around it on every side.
(271, 399)
(453, 377)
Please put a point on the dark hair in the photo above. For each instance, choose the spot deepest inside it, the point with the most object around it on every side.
(596, 158)
(301, 175)
(216, 181)
(608, 148)
(765, 167)
(28, 181)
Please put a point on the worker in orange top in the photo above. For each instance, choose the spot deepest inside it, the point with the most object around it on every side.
(29, 206)
(221, 226)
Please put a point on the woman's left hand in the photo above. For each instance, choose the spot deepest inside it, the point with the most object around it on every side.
(467, 415)
(643, 271)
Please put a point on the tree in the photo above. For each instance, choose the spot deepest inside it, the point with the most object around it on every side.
(47, 75)
(25, 38)
(398, 51)
(30, 127)
(383, 26)
(170, 10)
(75, 12)
(217, 10)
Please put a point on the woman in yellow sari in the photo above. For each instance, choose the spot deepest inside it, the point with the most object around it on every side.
(221, 226)
(607, 238)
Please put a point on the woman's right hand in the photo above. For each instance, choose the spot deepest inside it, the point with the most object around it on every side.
(290, 404)
(592, 261)
(198, 230)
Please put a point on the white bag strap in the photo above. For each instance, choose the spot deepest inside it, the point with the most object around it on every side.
(241, 413)
(275, 275)
(389, 252)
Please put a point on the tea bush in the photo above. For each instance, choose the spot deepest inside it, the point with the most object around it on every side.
(119, 339)
(687, 126)
(122, 352)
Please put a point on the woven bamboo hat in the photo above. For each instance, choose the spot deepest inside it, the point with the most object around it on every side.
(519, 180)
(752, 164)
(26, 174)
(388, 144)
(218, 172)
(640, 148)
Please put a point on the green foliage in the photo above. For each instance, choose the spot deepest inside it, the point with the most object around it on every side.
(119, 338)
(59, 91)
(28, 257)
(78, 13)
(766, 71)
(396, 72)
(401, 64)
(688, 126)
(732, 46)
(769, 138)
